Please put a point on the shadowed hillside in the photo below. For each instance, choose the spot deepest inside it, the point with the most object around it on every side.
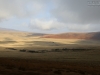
(87, 36)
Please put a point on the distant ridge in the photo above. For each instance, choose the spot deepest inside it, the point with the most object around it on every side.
(12, 30)
(5, 29)
(88, 36)
(29, 34)
(70, 35)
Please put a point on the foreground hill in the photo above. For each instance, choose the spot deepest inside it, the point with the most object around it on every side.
(87, 36)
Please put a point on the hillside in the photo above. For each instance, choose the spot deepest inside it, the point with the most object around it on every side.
(87, 36)
(6, 32)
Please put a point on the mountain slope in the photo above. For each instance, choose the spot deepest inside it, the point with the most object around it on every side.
(6, 31)
(91, 36)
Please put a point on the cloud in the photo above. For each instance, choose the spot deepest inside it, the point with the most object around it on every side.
(72, 15)
(43, 24)
(78, 14)
(20, 8)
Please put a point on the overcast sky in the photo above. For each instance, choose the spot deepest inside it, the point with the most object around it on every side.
(50, 16)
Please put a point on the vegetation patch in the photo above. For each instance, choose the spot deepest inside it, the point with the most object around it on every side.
(11, 48)
(23, 50)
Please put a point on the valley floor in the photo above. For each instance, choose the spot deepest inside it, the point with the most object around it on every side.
(62, 60)
(15, 66)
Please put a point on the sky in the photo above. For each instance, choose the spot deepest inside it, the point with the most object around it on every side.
(50, 16)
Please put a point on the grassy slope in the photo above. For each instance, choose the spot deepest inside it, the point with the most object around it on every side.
(16, 39)
(21, 40)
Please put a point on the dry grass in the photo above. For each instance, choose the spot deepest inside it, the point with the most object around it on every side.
(10, 66)
(20, 39)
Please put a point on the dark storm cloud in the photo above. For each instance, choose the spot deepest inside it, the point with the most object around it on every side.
(85, 13)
